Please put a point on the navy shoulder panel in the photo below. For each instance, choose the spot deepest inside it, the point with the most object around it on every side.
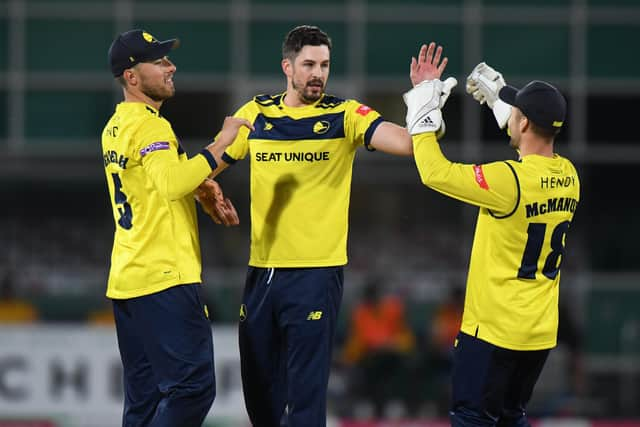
(329, 101)
(323, 126)
(267, 100)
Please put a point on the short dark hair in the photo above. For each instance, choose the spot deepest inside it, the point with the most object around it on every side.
(301, 36)
(537, 129)
(542, 131)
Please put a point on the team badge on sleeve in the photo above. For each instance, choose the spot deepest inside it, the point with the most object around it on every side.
(479, 175)
(363, 110)
(163, 145)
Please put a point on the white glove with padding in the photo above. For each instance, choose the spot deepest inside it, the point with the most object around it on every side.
(484, 84)
(424, 103)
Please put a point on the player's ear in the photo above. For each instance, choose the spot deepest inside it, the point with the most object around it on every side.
(287, 67)
(130, 77)
(523, 123)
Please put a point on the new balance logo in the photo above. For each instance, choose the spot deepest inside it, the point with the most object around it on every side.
(314, 315)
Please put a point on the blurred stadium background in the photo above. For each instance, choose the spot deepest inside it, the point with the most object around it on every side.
(62, 369)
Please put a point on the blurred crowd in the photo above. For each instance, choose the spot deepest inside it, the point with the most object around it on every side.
(397, 354)
(397, 326)
(393, 357)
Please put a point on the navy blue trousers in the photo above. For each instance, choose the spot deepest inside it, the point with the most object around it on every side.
(166, 348)
(492, 385)
(287, 326)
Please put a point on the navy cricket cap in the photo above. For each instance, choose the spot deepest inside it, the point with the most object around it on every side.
(135, 46)
(542, 103)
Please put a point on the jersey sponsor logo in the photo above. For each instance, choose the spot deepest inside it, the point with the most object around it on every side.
(321, 126)
(111, 156)
(479, 175)
(278, 156)
(563, 204)
(363, 110)
(314, 315)
(161, 145)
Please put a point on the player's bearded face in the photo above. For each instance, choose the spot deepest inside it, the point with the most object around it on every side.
(309, 73)
(156, 80)
(309, 91)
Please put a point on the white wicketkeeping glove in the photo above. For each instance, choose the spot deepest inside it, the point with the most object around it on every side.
(484, 84)
(424, 103)
(447, 86)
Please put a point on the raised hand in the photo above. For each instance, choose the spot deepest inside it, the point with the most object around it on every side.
(484, 84)
(230, 129)
(428, 65)
(225, 138)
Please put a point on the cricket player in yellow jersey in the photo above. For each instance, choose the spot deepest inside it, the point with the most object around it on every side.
(164, 335)
(510, 319)
(301, 155)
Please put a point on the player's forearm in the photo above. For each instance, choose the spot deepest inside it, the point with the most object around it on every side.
(232, 129)
(491, 185)
(392, 139)
(438, 172)
(176, 180)
(433, 166)
(217, 150)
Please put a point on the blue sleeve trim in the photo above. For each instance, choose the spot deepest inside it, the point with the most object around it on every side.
(228, 159)
(369, 133)
(515, 175)
(210, 159)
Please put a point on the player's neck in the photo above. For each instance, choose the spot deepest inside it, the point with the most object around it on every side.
(136, 96)
(538, 146)
(292, 100)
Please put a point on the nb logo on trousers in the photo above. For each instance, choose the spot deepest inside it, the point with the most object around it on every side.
(314, 315)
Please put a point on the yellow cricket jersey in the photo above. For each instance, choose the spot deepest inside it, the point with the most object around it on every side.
(526, 208)
(301, 165)
(151, 184)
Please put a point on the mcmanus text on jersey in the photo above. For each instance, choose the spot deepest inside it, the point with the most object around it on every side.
(551, 205)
